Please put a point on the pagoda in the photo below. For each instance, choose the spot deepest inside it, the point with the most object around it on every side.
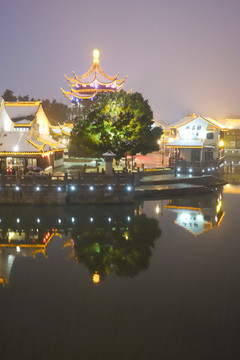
(94, 81)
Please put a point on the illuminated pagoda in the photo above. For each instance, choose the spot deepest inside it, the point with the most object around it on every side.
(94, 81)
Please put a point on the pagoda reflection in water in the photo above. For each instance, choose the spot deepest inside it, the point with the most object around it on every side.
(198, 214)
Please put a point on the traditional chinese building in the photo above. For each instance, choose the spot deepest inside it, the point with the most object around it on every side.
(231, 142)
(194, 144)
(84, 88)
(25, 137)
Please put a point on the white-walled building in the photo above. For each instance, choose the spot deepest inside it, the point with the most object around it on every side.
(25, 137)
(194, 142)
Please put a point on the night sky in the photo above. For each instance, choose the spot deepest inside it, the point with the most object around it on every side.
(182, 55)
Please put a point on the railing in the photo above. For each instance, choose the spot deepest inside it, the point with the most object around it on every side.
(64, 180)
(198, 167)
(81, 188)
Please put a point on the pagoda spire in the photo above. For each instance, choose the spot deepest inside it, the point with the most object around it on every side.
(95, 80)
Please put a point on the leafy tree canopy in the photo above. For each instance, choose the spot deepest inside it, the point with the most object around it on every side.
(118, 121)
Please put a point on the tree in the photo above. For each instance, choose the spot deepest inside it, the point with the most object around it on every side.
(8, 95)
(118, 121)
(23, 98)
(56, 112)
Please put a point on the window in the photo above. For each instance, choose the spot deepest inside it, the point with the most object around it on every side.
(210, 136)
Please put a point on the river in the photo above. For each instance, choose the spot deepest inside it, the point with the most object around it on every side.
(154, 280)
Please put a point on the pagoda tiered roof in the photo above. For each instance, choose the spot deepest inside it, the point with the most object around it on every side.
(95, 80)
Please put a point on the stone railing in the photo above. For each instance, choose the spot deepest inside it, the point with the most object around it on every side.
(83, 188)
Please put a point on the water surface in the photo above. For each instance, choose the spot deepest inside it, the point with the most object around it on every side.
(159, 279)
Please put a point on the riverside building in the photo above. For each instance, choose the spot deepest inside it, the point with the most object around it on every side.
(25, 138)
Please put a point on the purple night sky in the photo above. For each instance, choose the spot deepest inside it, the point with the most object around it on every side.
(182, 55)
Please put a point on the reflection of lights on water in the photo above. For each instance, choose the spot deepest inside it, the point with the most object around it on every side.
(11, 235)
(219, 205)
(96, 278)
(185, 216)
(18, 249)
(157, 210)
(10, 260)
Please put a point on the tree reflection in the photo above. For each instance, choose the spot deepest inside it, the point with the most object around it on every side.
(117, 247)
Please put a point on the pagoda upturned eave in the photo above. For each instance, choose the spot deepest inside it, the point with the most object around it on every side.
(75, 82)
(96, 80)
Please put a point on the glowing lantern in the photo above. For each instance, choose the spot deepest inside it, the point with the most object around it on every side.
(96, 278)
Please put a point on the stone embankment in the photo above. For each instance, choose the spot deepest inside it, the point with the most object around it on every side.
(90, 188)
(61, 190)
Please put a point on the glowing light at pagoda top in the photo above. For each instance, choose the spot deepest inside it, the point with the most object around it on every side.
(96, 56)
